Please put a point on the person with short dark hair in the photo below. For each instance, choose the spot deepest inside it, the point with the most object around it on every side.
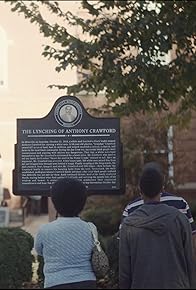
(167, 198)
(156, 250)
(66, 244)
(69, 197)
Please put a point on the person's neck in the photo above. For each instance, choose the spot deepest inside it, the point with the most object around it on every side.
(152, 200)
(67, 216)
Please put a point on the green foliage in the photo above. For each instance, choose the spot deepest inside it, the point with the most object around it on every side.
(106, 219)
(15, 258)
(124, 50)
(111, 281)
(193, 210)
(112, 251)
(144, 139)
(40, 269)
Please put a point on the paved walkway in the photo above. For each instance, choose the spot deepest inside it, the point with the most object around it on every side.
(32, 223)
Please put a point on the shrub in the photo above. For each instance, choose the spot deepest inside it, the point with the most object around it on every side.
(40, 272)
(112, 251)
(106, 219)
(193, 209)
(15, 258)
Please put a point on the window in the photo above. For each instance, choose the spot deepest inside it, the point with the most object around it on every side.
(3, 59)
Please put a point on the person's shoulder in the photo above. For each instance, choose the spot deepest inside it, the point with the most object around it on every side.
(173, 199)
(174, 211)
(171, 196)
(170, 209)
(91, 225)
(46, 227)
(184, 220)
(132, 206)
(135, 202)
(42, 231)
(93, 229)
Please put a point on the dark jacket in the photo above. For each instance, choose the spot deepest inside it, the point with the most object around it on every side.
(156, 249)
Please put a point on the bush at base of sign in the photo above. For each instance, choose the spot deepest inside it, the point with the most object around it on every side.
(15, 258)
(106, 219)
(105, 213)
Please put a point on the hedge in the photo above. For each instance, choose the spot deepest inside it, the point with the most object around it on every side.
(106, 219)
(15, 258)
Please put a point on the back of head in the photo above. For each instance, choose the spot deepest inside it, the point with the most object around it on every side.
(153, 165)
(151, 181)
(68, 196)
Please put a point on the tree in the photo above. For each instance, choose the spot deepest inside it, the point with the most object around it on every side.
(124, 50)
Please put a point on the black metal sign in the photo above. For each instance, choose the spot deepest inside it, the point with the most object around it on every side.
(68, 142)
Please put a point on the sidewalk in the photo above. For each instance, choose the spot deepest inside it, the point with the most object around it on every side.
(32, 223)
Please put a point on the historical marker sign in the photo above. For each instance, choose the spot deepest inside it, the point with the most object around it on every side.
(68, 142)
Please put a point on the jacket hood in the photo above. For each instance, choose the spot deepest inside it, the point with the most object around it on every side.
(153, 217)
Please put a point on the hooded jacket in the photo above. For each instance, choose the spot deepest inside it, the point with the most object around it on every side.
(156, 249)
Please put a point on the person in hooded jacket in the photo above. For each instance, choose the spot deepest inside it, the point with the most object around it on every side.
(156, 250)
(167, 198)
